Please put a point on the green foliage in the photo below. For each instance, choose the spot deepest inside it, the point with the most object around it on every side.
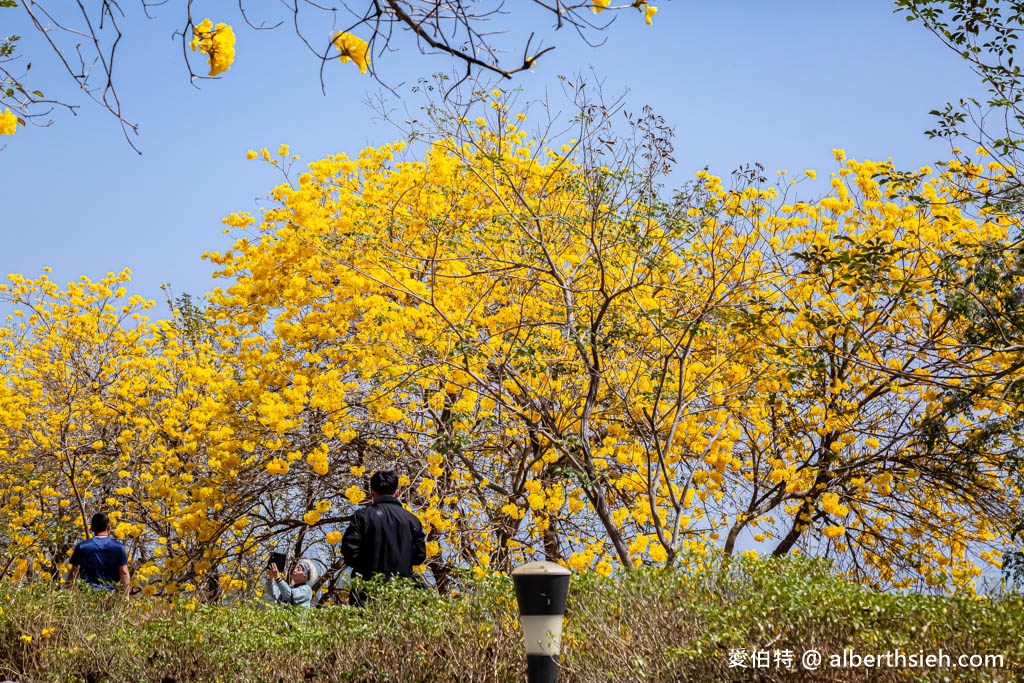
(985, 34)
(651, 625)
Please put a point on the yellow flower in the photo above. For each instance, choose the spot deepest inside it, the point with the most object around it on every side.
(277, 466)
(603, 568)
(354, 494)
(354, 48)
(282, 151)
(311, 517)
(26, 639)
(658, 553)
(323, 506)
(250, 155)
(217, 42)
(318, 461)
(224, 49)
(334, 537)
(834, 530)
(392, 414)
(598, 6)
(649, 13)
(8, 123)
(198, 31)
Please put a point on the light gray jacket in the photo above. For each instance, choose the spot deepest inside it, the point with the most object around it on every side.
(283, 594)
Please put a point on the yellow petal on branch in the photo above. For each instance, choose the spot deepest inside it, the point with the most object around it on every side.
(354, 48)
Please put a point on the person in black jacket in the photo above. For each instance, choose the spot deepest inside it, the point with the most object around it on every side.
(384, 538)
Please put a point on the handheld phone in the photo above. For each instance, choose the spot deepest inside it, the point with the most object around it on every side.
(279, 560)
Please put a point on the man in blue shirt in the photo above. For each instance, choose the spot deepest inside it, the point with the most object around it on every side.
(101, 561)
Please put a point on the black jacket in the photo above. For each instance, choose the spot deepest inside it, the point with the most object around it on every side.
(384, 538)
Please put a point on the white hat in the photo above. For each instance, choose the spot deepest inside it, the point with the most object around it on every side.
(311, 570)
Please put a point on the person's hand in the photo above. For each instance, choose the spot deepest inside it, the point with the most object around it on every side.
(272, 572)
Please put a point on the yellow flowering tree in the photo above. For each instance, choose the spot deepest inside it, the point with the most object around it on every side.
(858, 444)
(564, 363)
(985, 288)
(494, 320)
(560, 359)
(102, 409)
(73, 361)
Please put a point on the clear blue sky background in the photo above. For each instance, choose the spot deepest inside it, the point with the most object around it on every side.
(780, 82)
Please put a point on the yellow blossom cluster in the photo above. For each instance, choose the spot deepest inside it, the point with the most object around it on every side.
(218, 42)
(352, 48)
(8, 123)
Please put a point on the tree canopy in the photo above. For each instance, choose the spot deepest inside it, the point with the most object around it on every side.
(561, 360)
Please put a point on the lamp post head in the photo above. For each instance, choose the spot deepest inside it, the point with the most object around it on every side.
(541, 568)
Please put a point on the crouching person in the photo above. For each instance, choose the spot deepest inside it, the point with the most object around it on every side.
(300, 592)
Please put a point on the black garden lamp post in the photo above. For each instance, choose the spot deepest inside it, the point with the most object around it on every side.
(541, 590)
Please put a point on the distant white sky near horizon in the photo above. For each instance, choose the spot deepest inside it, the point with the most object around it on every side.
(779, 82)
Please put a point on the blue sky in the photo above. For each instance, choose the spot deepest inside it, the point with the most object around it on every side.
(780, 82)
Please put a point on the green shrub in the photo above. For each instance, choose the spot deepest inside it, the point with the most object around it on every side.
(644, 625)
